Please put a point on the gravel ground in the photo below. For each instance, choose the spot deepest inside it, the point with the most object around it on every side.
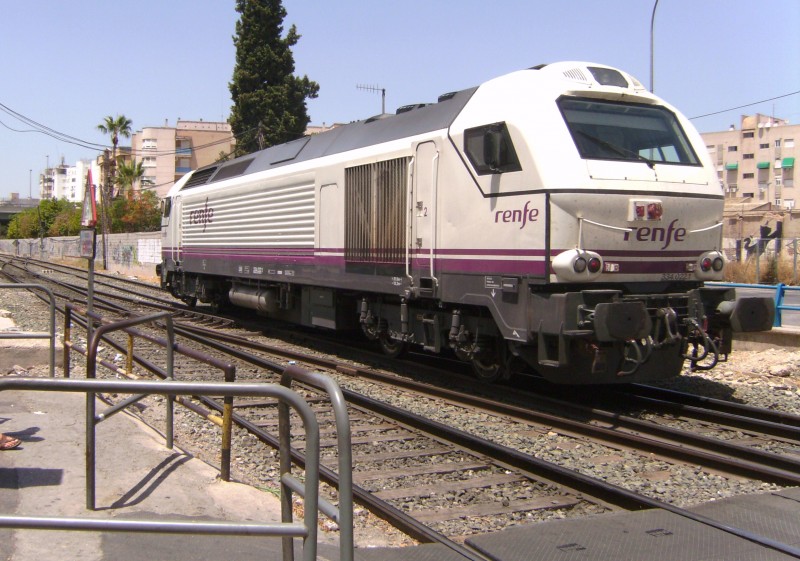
(769, 378)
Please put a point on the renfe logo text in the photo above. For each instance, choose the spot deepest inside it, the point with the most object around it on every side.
(202, 216)
(656, 234)
(522, 217)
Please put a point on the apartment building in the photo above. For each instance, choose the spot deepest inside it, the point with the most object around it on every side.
(167, 153)
(756, 163)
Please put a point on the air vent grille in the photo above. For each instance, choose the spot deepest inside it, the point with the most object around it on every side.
(200, 177)
(576, 74)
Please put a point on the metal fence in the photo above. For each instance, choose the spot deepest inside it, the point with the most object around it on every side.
(306, 529)
(305, 484)
(766, 256)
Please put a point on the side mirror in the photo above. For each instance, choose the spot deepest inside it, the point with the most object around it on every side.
(492, 154)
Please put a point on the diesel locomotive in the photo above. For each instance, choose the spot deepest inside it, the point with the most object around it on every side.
(561, 219)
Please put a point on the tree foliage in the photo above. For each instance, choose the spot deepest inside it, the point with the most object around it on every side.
(140, 214)
(59, 217)
(115, 127)
(269, 101)
(53, 217)
(128, 175)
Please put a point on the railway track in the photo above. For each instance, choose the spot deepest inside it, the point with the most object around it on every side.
(437, 482)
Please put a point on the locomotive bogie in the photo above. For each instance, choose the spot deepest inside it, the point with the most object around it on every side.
(562, 217)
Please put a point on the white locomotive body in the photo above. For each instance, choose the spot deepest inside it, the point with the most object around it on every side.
(562, 215)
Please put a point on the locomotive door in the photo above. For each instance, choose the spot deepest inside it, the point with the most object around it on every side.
(423, 242)
(174, 227)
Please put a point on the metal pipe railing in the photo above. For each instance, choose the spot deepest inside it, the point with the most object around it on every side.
(32, 335)
(127, 326)
(780, 292)
(343, 515)
(288, 529)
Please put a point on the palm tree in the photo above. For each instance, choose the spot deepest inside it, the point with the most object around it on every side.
(120, 125)
(113, 126)
(128, 175)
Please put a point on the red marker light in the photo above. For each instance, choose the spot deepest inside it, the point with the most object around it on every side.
(654, 211)
(594, 265)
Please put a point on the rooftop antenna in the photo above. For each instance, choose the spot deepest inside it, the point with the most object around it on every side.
(376, 89)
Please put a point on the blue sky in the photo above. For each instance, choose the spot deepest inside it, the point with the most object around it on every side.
(66, 65)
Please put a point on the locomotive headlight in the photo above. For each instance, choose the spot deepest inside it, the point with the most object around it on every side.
(577, 265)
(709, 266)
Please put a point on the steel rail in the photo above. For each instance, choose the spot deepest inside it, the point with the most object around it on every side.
(732, 458)
(733, 408)
(653, 503)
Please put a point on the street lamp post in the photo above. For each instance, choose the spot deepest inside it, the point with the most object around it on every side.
(652, 46)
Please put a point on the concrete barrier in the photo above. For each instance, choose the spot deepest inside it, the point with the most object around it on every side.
(128, 254)
(783, 337)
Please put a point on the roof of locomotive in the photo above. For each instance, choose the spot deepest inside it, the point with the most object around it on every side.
(409, 121)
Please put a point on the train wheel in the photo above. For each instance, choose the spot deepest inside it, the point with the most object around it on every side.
(489, 364)
(391, 347)
(487, 371)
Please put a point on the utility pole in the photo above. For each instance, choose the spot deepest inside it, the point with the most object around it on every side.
(376, 89)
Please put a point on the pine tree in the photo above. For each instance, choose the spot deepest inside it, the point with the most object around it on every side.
(269, 101)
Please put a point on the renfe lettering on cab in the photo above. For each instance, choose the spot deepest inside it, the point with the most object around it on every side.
(655, 234)
(523, 216)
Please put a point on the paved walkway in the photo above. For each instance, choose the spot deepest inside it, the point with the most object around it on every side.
(137, 477)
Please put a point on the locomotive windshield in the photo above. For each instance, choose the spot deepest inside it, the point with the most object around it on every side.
(604, 130)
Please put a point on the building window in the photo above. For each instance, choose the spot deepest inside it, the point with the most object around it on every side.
(748, 156)
(778, 143)
(788, 203)
(764, 146)
(789, 143)
(733, 148)
(149, 144)
(149, 162)
(750, 134)
(747, 176)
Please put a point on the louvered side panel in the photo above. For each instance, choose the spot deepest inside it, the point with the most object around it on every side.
(391, 218)
(375, 196)
(358, 202)
(281, 216)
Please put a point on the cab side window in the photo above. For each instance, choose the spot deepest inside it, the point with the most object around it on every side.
(490, 149)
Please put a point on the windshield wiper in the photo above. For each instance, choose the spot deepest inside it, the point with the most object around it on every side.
(619, 149)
